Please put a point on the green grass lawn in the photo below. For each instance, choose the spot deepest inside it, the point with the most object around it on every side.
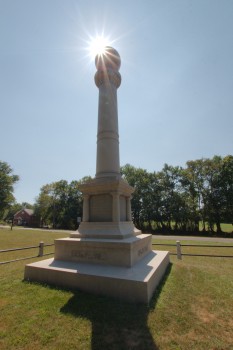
(227, 227)
(192, 308)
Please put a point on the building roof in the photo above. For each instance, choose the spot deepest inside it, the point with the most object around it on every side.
(30, 212)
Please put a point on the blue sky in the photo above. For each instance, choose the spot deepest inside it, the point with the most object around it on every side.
(175, 102)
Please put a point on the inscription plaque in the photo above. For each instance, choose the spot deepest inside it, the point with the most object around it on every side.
(90, 255)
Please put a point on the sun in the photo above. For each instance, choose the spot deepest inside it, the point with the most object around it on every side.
(97, 45)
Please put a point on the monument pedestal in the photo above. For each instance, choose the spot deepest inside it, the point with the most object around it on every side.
(106, 209)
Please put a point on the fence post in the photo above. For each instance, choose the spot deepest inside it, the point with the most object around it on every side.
(41, 249)
(178, 250)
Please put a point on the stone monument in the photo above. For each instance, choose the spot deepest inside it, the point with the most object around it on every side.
(107, 255)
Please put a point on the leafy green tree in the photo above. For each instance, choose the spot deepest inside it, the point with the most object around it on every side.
(172, 198)
(11, 211)
(209, 181)
(159, 198)
(151, 202)
(219, 191)
(7, 181)
(194, 186)
(227, 188)
(139, 179)
(27, 205)
(59, 204)
(212, 197)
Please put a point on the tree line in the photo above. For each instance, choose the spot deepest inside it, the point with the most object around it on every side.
(179, 198)
(60, 204)
(175, 199)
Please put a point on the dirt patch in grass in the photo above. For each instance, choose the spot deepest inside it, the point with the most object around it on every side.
(202, 310)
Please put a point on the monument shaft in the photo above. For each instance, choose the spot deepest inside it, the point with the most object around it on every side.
(106, 205)
(107, 159)
(108, 79)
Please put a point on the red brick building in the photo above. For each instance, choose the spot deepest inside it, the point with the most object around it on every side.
(26, 217)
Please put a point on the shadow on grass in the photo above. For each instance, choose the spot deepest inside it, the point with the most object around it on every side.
(116, 325)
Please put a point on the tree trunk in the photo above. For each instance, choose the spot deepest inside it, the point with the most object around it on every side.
(219, 230)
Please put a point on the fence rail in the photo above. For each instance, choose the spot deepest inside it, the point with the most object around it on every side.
(178, 253)
(40, 252)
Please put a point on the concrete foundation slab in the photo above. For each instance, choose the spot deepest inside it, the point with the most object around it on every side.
(133, 284)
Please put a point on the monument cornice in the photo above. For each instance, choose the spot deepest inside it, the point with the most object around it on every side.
(107, 185)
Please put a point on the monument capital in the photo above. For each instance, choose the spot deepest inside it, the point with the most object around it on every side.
(109, 59)
(108, 64)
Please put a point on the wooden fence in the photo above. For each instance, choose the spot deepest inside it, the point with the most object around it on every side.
(178, 250)
(40, 248)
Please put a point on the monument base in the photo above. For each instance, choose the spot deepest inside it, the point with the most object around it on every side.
(132, 284)
(126, 268)
(116, 252)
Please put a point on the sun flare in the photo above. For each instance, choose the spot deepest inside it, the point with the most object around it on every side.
(97, 45)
